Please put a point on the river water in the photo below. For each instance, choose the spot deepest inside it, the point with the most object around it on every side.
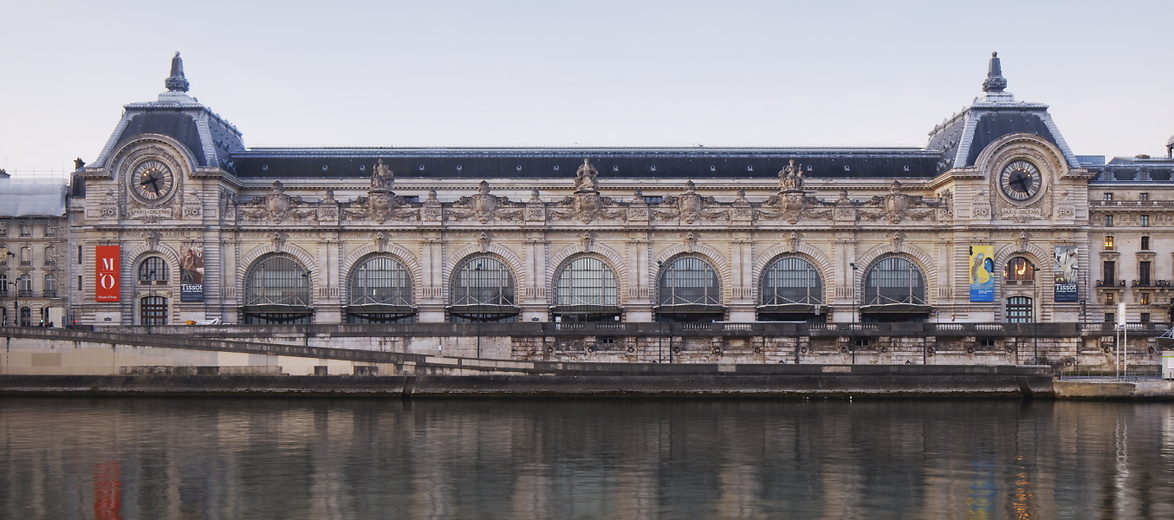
(119, 458)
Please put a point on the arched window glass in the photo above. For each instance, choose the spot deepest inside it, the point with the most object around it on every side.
(24, 285)
(689, 280)
(483, 289)
(277, 280)
(1019, 269)
(894, 280)
(381, 280)
(380, 292)
(277, 290)
(153, 270)
(791, 280)
(586, 281)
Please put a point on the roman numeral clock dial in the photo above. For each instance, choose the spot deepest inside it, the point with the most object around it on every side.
(152, 181)
(1020, 180)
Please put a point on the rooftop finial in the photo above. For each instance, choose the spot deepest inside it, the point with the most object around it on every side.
(176, 82)
(995, 82)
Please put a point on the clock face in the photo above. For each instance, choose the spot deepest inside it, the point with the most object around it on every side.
(1020, 180)
(152, 180)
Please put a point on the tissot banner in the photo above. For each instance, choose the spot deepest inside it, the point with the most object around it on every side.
(191, 274)
(982, 273)
(1067, 276)
(106, 271)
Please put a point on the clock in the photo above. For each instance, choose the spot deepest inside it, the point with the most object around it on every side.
(152, 180)
(1020, 180)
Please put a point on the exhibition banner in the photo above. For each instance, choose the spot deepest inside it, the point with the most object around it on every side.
(191, 274)
(982, 273)
(106, 273)
(1067, 275)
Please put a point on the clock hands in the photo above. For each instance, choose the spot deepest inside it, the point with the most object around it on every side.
(153, 180)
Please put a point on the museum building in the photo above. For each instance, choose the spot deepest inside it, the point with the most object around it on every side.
(994, 220)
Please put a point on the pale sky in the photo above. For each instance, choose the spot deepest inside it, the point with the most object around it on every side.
(570, 73)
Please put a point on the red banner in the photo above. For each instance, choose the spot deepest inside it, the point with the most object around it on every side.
(106, 274)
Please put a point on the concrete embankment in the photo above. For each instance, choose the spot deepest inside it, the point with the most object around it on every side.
(675, 381)
(1115, 390)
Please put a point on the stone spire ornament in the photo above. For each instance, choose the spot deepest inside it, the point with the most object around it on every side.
(176, 82)
(995, 83)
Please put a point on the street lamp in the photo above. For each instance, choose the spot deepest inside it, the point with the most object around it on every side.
(15, 296)
(852, 334)
(1035, 317)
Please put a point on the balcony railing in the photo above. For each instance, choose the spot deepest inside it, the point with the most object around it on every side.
(1110, 283)
(1152, 283)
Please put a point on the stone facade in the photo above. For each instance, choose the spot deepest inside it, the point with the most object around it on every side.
(207, 229)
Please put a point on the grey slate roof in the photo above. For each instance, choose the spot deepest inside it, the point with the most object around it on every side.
(32, 197)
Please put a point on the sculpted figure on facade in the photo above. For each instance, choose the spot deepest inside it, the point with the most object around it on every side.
(586, 177)
(535, 208)
(381, 176)
(897, 206)
(791, 177)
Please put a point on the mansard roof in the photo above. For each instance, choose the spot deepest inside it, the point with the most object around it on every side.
(214, 143)
(615, 163)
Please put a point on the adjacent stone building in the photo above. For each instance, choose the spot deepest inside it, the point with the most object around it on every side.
(994, 220)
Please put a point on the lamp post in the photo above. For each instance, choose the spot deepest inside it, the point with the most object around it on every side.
(1035, 318)
(852, 334)
(15, 296)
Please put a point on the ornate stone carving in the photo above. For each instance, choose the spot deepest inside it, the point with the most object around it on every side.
(485, 240)
(793, 242)
(638, 209)
(328, 207)
(227, 205)
(896, 206)
(432, 210)
(380, 239)
(845, 208)
(278, 240)
(535, 208)
(742, 210)
(896, 240)
(193, 206)
(690, 241)
(484, 206)
(275, 206)
(587, 241)
(152, 240)
(691, 207)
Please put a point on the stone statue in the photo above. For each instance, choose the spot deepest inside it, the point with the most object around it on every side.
(381, 176)
(791, 177)
(585, 177)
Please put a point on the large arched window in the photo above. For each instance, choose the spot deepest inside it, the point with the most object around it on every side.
(277, 290)
(690, 289)
(483, 289)
(380, 292)
(791, 289)
(1019, 270)
(894, 290)
(153, 271)
(585, 289)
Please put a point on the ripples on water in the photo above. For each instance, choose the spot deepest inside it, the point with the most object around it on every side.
(322, 459)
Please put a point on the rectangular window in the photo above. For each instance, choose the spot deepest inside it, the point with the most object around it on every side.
(1143, 272)
(1143, 196)
(1110, 317)
(1145, 317)
(1109, 243)
(1143, 298)
(1108, 197)
(1108, 220)
(79, 255)
(26, 229)
(1110, 272)
(1145, 221)
(79, 283)
(1145, 243)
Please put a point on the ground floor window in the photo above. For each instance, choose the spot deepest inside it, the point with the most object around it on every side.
(1020, 310)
